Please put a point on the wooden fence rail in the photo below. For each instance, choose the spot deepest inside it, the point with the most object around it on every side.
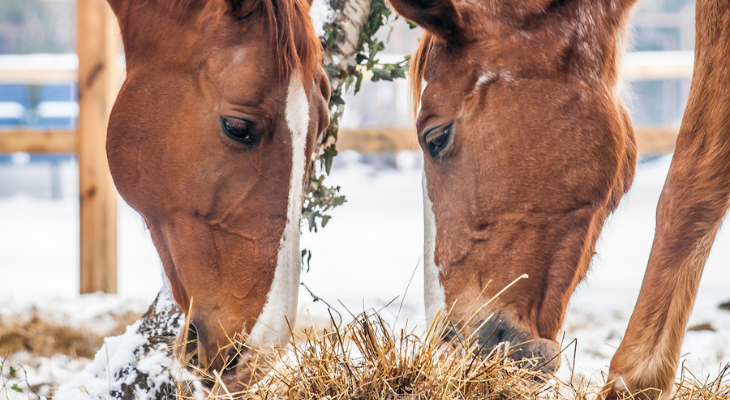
(97, 75)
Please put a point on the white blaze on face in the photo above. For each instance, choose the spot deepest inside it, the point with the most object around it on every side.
(433, 293)
(281, 303)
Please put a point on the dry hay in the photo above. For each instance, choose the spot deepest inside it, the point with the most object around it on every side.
(43, 337)
(367, 360)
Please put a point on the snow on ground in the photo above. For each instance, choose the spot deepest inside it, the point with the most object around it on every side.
(364, 258)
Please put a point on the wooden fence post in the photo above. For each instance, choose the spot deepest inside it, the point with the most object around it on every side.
(97, 47)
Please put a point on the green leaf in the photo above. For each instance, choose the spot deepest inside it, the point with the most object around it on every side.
(16, 388)
(13, 371)
(339, 200)
(329, 154)
(398, 72)
(381, 73)
(337, 100)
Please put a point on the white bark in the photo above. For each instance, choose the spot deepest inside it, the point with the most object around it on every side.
(350, 18)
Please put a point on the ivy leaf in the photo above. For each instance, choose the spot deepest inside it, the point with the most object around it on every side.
(381, 73)
(336, 99)
(339, 200)
(329, 154)
(358, 83)
(398, 71)
(13, 371)
(16, 388)
(331, 71)
(411, 25)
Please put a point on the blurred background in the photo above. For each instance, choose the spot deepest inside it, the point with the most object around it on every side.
(370, 253)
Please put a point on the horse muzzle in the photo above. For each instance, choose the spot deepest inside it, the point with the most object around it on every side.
(521, 345)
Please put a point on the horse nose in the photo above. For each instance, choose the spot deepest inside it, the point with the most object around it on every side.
(524, 347)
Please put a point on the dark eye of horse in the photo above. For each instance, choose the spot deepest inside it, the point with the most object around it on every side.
(240, 131)
(437, 139)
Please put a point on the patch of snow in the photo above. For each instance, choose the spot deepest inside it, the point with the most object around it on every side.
(97, 380)
(11, 109)
(58, 109)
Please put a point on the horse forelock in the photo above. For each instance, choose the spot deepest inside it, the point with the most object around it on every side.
(292, 33)
(417, 69)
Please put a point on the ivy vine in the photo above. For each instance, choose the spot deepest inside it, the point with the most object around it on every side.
(321, 199)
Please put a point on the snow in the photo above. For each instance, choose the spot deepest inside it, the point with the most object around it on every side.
(132, 364)
(321, 14)
(11, 109)
(58, 109)
(369, 255)
(40, 61)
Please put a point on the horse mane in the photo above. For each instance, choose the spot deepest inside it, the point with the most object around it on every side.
(417, 69)
(297, 46)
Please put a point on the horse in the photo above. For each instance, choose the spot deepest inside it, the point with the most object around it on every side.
(528, 148)
(210, 140)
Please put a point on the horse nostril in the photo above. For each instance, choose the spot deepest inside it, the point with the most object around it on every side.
(232, 359)
(191, 347)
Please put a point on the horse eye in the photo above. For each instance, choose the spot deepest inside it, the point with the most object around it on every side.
(438, 139)
(240, 131)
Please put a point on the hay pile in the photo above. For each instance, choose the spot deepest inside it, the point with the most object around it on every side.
(368, 360)
(41, 336)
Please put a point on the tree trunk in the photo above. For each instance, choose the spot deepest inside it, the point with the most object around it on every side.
(349, 21)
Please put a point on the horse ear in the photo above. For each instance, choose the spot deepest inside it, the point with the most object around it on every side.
(439, 17)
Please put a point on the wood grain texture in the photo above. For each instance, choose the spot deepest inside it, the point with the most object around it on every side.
(97, 49)
(652, 140)
(37, 141)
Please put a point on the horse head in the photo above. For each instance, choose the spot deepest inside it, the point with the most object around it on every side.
(527, 149)
(210, 140)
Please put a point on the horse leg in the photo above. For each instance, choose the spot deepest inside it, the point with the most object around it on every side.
(693, 202)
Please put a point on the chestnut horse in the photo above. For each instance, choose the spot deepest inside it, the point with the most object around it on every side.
(209, 140)
(528, 148)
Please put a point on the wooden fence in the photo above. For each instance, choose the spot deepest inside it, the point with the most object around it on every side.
(98, 81)
(651, 140)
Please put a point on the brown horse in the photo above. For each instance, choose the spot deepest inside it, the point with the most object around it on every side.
(528, 148)
(210, 139)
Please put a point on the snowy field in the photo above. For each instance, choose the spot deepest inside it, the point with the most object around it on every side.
(365, 258)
